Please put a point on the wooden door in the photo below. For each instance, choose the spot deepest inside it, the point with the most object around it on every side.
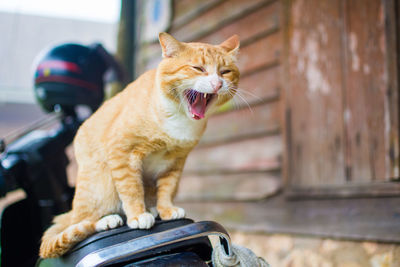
(342, 97)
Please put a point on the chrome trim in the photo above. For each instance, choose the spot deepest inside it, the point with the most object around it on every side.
(187, 232)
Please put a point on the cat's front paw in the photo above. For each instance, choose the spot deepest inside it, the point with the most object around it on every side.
(109, 222)
(171, 213)
(143, 221)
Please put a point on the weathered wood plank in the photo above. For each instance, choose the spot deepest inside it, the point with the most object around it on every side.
(365, 219)
(216, 18)
(371, 189)
(259, 23)
(223, 187)
(259, 154)
(367, 102)
(244, 123)
(149, 57)
(151, 50)
(260, 54)
(182, 7)
(261, 86)
(392, 30)
(152, 62)
(315, 98)
(188, 10)
(367, 113)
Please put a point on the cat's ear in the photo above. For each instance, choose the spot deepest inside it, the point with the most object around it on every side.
(231, 45)
(169, 45)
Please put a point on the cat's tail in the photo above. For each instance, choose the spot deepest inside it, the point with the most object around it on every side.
(62, 236)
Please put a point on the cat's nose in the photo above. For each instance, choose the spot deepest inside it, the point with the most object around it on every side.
(216, 85)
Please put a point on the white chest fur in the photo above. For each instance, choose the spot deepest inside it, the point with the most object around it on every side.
(178, 125)
(156, 164)
(182, 128)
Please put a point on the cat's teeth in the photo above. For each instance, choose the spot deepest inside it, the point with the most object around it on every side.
(205, 95)
(192, 115)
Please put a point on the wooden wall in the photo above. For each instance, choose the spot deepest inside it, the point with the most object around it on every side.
(342, 97)
(239, 156)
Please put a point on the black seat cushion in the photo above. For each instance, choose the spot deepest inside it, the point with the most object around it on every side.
(201, 246)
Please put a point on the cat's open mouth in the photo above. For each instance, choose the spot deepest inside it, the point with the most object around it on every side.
(198, 102)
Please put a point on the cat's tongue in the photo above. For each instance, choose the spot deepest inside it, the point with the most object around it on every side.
(198, 107)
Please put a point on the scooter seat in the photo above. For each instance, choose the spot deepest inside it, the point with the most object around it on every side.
(107, 239)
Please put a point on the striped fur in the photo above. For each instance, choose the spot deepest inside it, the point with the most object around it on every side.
(61, 236)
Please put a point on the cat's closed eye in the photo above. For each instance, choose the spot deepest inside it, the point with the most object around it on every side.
(225, 72)
(199, 68)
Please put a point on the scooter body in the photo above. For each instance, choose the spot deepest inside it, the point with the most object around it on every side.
(168, 243)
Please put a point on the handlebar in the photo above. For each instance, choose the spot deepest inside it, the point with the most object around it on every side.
(28, 157)
(10, 167)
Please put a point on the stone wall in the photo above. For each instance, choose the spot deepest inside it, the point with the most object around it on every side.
(297, 251)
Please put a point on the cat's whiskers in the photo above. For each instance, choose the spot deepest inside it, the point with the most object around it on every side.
(180, 104)
(234, 91)
(239, 92)
(249, 93)
(236, 104)
(245, 101)
(180, 97)
(234, 100)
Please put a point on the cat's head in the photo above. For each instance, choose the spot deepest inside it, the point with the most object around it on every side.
(198, 77)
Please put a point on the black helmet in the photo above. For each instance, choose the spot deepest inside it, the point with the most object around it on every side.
(70, 74)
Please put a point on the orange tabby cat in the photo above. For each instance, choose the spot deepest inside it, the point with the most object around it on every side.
(131, 151)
